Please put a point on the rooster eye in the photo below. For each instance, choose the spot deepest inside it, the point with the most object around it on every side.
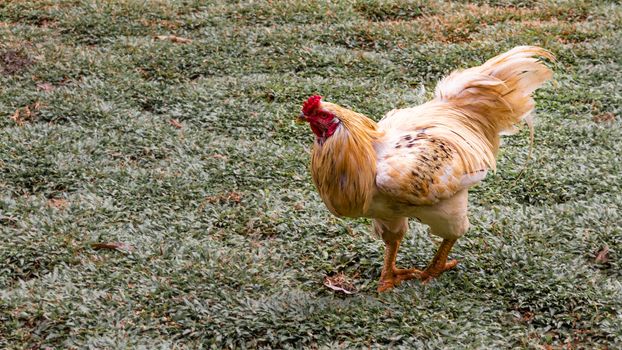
(325, 115)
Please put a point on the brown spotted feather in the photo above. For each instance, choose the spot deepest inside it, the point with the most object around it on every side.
(421, 169)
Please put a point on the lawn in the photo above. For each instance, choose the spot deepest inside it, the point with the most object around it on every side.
(155, 192)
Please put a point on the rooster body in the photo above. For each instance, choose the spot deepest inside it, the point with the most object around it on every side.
(420, 162)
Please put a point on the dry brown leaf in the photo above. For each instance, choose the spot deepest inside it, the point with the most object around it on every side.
(16, 118)
(58, 203)
(604, 118)
(339, 283)
(45, 87)
(602, 256)
(174, 38)
(175, 123)
(218, 156)
(527, 316)
(113, 245)
(233, 196)
(25, 113)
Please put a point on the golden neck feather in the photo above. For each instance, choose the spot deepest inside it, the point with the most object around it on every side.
(344, 166)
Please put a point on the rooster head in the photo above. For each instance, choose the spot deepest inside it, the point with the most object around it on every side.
(322, 121)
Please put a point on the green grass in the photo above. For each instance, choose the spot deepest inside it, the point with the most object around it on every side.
(228, 242)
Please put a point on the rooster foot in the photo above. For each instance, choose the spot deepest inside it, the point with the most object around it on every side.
(436, 270)
(393, 278)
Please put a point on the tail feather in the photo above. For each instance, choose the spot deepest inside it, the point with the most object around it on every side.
(498, 94)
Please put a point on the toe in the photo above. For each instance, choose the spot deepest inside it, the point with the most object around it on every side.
(385, 285)
(451, 264)
(407, 274)
(430, 273)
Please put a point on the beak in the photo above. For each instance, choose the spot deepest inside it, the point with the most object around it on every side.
(301, 118)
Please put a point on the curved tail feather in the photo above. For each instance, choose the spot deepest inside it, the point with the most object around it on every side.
(498, 94)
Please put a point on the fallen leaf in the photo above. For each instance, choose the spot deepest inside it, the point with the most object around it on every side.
(233, 196)
(526, 316)
(604, 118)
(58, 203)
(15, 117)
(45, 87)
(175, 123)
(218, 156)
(602, 256)
(339, 283)
(350, 231)
(27, 112)
(174, 38)
(113, 246)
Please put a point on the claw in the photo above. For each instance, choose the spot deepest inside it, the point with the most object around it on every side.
(384, 286)
(434, 271)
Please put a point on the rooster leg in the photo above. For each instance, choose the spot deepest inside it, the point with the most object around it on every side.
(439, 263)
(392, 276)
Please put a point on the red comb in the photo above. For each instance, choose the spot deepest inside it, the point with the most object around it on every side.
(312, 103)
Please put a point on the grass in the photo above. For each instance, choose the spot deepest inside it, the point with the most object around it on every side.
(222, 240)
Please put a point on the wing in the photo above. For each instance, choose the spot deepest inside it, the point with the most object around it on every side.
(419, 168)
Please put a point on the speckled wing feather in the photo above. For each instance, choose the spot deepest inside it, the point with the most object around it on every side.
(419, 168)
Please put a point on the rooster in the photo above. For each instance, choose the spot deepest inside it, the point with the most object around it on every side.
(419, 162)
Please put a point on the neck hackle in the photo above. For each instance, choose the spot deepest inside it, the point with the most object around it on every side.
(344, 165)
